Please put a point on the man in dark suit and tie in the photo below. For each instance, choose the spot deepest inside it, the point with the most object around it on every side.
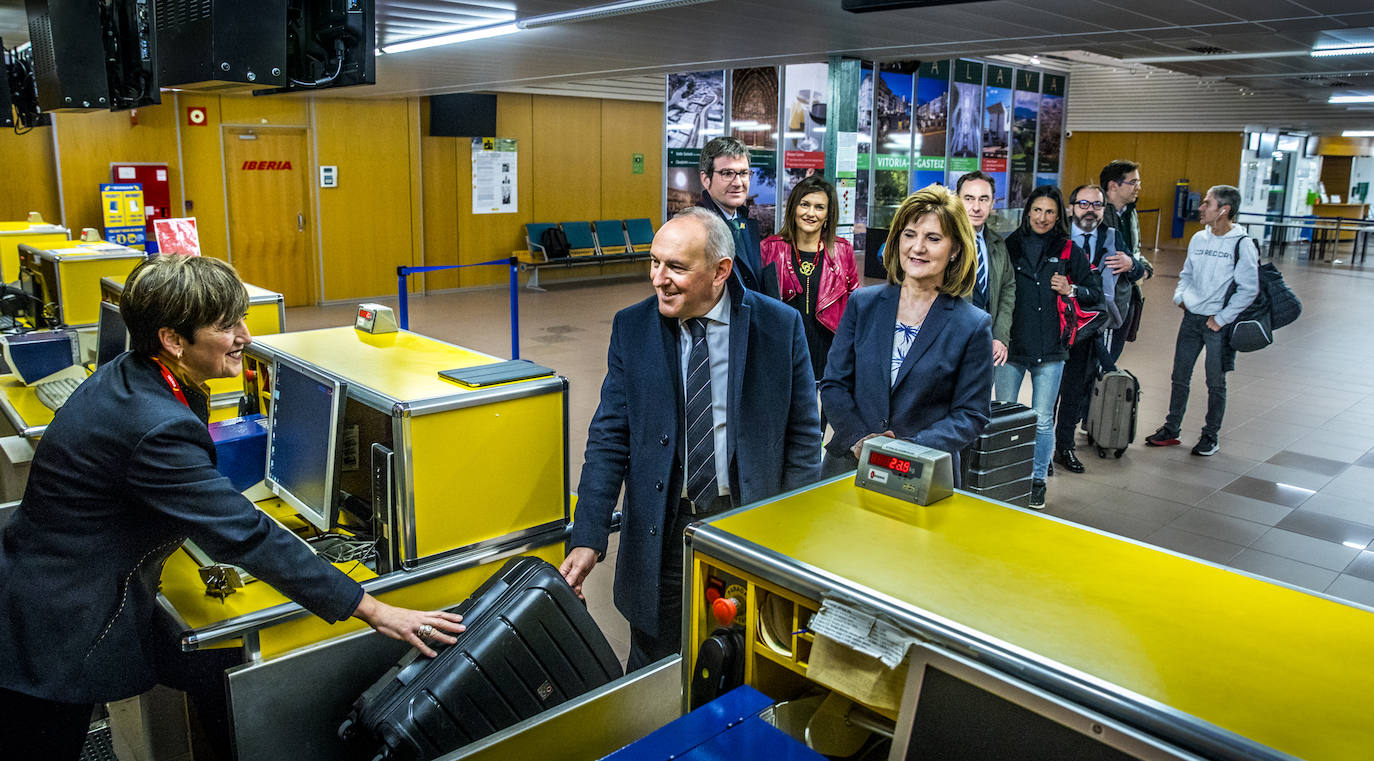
(724, 170)
(1104, 248)
(709, 403)
(994, 291)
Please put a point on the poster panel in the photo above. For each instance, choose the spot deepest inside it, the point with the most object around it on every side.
(894, 93)
(1051, 124)
(932, 120)
(684, 182)
(966, 116)
(865, 128)
(754, 121)
(754, 107)
(805, 89)
(695, 108)
(494, 174)
(1025, 109)
(997, 119)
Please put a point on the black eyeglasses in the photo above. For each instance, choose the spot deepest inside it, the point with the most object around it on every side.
(729, 175)
(1085, 205)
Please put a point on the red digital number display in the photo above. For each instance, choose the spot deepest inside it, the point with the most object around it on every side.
(894, 464)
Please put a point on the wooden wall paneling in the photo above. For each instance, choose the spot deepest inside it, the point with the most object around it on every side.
(485, 237)
(630, 127)
(275, 110)
(439, 176)
(1074, 170)
(567, 158)
(365, 225)
(417, 192)
(30, 169)
(1163, 158)
(88, 142)
(202, 160)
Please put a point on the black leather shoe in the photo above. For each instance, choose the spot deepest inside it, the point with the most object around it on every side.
(1069, 460)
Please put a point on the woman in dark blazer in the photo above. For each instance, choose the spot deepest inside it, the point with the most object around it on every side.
(935, 389)
(1037, 250)
(123, 475)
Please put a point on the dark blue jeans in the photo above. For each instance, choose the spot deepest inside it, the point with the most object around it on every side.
(1193, 337)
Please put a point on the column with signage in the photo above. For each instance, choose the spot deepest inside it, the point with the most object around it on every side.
(1026, 111)
(997, 112)
(1051, 130)
(932, 121)
(965, 130)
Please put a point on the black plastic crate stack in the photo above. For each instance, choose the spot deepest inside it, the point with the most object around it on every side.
(997, 465)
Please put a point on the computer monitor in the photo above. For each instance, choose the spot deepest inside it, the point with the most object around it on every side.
(955, 709)
(39, 354)
(303, 446)
(112, 337)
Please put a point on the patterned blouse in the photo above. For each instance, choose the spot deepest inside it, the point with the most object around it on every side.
(903, 336)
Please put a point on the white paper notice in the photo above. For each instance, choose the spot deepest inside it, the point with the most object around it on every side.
(848, 191)
(494, 176)
(127, 173)
(846, 153)
(862, 631)
(162, 175)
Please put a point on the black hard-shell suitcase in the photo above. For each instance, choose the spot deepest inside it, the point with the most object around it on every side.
(997, 465)
(530, 644)
(1112, 412)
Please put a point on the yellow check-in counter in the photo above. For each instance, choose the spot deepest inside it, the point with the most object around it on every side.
(37, 234)
(458, 479)
(1209, 659)
(66, 278)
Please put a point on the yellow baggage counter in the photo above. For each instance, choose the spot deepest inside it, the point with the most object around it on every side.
(1200, 655)
(38, 235)
(458, 478)
(66, 277)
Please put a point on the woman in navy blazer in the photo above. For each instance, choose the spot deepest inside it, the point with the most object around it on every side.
(911, 358)
(123, 475)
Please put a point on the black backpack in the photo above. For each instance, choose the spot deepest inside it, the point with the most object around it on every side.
(555, 243)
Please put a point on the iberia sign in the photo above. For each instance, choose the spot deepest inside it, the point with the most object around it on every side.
(265, 165)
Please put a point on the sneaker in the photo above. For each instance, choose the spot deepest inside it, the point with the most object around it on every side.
(1162, 438)
(1206, 446)
(1037, 497)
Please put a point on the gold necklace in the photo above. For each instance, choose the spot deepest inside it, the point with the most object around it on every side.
(808, 267)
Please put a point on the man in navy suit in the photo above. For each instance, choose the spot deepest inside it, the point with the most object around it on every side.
(724, 170)
(754, 428)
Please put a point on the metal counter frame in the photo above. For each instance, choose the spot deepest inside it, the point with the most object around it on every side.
(809, 577)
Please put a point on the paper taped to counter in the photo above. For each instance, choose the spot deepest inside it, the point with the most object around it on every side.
(863, 631)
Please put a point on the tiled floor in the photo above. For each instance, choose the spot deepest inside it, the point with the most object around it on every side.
(1287, 497)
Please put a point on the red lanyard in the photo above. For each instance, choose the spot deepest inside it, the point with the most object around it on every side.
(172, 381)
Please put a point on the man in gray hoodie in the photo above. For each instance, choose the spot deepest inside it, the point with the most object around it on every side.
(1218, 255)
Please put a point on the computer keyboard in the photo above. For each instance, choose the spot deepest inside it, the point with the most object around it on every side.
(54, 393)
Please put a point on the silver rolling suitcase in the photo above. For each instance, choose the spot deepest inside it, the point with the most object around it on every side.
(1112, 412)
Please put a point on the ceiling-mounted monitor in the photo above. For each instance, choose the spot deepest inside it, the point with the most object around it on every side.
(220, 45)
(329, 43)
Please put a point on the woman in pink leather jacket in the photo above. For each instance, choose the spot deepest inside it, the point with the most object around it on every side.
(815, 269)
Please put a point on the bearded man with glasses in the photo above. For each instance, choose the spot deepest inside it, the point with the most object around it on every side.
(724, 170)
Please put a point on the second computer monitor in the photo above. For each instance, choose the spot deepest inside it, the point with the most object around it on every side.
(112, 337)
(303, 446)
(41, 353)
(955, 709)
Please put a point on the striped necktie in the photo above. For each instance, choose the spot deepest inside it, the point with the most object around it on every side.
(701, 427)
(983, 296)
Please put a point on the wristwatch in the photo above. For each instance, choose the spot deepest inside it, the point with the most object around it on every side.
(1073, 291)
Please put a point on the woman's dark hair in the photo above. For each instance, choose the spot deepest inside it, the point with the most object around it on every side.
(184, 293)
(813, 184)
(1061, 225)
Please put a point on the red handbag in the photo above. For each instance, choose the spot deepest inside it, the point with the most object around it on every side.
(1076, 324)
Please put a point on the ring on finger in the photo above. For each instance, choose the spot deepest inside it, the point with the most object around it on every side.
(426, 631)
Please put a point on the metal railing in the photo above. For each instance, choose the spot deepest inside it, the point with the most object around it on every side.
(403, 298)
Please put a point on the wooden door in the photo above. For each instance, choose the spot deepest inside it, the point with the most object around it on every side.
(266, 174)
